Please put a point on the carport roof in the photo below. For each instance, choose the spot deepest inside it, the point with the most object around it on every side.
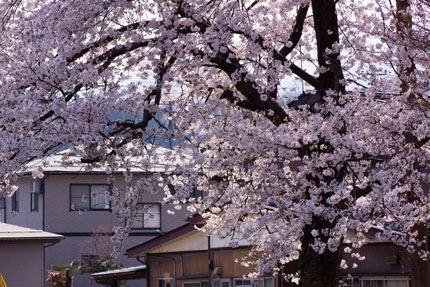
(129, 273)
(14, 234)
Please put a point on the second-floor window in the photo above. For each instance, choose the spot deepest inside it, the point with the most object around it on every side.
(2, 208)
(148, 215)
(89, 197)
(34, 204)
(15, 202)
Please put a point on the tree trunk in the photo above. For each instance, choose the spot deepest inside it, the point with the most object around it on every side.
(322, 270)
(420, 268)
(327, 36)
(318, 270)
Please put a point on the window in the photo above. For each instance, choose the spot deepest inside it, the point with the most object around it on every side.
(2, 209)
(148, 215)
(196, 284)
(15, 202)
(222, 283)
(352, 283)
(242, 283)
(166, 282)
(34, 201)
(384, 283)
(377, 282)
(37, 186)
(89, 197)
(258, 282)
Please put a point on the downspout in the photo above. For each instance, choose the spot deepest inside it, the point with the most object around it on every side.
(5, 210)
(43, 221)
(210, 263)
(147, 269)
(182, 265)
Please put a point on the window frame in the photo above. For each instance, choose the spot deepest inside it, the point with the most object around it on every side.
(34, 202)
(89, 197)
(252, 280)
(40, 183)
(384, 279)
(378, 278)
(195, 282)
(143, 221)
(15, 202)
(222, 280)
(242, 279)
(2, 209)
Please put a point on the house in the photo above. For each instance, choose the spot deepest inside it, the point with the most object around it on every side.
(180, 258)
(186, 257)
(22, 255)
(74, 202)
(385, 264)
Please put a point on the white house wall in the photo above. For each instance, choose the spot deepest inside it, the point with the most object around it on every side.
(24, 217)
(194, 241)
(78, 227)
(59, 218)
(55, 216)
(217, 242)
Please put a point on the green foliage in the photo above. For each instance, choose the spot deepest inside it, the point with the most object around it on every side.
(61, 275)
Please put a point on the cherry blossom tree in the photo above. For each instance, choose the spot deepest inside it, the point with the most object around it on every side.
(291, 175)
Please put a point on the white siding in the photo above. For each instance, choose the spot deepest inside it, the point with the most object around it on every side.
(25, 217)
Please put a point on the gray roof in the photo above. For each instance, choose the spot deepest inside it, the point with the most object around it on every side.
(161, 160)
(13, 234)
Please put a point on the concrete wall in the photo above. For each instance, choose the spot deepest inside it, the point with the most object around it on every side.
(22, 264)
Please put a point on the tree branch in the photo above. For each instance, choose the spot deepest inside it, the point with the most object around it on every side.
(294, 38)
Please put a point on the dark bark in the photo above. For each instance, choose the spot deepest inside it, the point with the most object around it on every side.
(322, 270)
(327, 34)
(318, 270)
(404, 30)
(420, 268)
